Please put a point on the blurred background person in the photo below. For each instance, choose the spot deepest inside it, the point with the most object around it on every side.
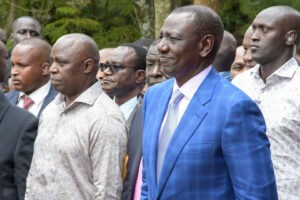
(225, 55)
(238, 66)
(249, 61)
(104, 58)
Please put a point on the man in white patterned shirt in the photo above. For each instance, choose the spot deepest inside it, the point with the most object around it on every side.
(274, 84)
(82, 135)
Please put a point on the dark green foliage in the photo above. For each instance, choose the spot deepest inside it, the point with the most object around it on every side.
(111, 22)
(237, 15)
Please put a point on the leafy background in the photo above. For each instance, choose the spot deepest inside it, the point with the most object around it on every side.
(111, 22)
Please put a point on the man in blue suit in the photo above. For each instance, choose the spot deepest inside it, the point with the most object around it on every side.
(30, 75)
(219, 149)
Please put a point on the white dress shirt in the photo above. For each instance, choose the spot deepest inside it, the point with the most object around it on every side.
(38, 97)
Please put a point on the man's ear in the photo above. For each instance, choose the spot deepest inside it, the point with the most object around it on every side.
(291, 37)
(45, 69)
(206, 45)
(88, 66)
(140, 76)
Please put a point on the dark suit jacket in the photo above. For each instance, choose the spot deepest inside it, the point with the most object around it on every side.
(18, 129)
(134, 154)
(219, 149)
(13, 97)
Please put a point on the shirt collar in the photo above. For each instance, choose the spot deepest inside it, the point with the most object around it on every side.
(189, 88)
(287, 70)
(38, 95)
(128, 106)
(89, 96)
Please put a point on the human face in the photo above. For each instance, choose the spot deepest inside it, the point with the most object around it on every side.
(28, 70)
(154, 73)
(268, 38)
(104, 58)
(119, 81)
(66, 69)
(25, 28)
(238, 65)
(249, 62)
(178, 47)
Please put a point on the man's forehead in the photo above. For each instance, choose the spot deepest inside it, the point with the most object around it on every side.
(269, 17)
(122, 51)
(177, 22)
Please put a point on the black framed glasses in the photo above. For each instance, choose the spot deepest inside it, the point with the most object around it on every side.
(112, 67)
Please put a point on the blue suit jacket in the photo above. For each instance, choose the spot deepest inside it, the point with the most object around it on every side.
(13, 97)
(219, 149)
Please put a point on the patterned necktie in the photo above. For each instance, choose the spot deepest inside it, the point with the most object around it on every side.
(168, 130)
(27, 102)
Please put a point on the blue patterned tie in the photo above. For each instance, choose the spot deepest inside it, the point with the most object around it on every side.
(168, 130)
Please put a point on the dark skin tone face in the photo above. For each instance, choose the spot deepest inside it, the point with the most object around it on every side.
(25, 28)
(29, 70)
(247, 56)
(122, 83)
(238, 66)
(71, 75)
(154, 72)
(181, 49)
(269, 41)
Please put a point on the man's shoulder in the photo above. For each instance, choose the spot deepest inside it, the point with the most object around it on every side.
(12, 94)
(19, 115)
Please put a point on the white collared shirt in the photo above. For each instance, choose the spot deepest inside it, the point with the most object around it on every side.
(38, 97)
(278, 99)
(188, 89)
(128, 107)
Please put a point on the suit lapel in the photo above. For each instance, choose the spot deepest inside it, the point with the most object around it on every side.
(50, 96)
(162, 100)
(190, 121)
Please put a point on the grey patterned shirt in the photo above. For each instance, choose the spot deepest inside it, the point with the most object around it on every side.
(279, 101)
(79, 150)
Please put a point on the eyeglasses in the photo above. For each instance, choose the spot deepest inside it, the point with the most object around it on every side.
(112, 67)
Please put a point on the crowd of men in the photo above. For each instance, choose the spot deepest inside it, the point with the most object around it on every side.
(189, 115)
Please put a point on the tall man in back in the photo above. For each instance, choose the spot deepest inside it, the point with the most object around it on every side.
(23, 28)
(274, 84)
(82, 135)
(30, 76)
(218, 146)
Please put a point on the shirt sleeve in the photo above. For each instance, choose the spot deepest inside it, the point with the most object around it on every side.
(108, 147)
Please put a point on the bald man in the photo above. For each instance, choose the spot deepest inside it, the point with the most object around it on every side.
(30, 75)
(274, 83)
(82, 135)
(25, 27)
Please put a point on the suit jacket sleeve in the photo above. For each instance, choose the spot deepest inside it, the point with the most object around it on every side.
(246, 150)
(23, 155)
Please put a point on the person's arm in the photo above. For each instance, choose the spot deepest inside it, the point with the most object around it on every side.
(23, 154)
(246, 150)
(108, 145)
